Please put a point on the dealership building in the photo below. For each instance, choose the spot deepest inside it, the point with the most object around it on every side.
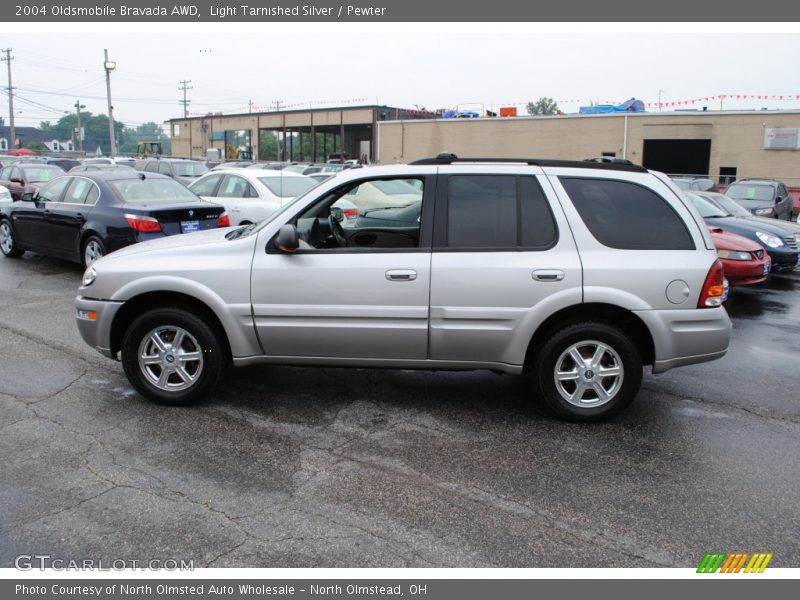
(724, 144)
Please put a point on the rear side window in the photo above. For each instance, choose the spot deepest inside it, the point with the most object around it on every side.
(627, 216)
(498, 212)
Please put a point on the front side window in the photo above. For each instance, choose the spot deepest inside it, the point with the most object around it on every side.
(164, 169)
(338, 221)
(205, 186)
(624, 215)
(52, 192)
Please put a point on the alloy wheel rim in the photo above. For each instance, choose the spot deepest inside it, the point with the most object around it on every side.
(92, 252)
(589, 374)
(6, 240)
(170, 358)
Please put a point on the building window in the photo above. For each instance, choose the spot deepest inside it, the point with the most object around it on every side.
(56, 146)
(176, 130)
(3, 144)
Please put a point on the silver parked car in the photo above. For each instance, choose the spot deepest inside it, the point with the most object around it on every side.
(576, 273)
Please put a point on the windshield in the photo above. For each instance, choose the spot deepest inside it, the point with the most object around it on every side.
(741, 191)
(188, 169)
(706, 208)
(39, 174)
(732, 207)
(288, 187)
(152, 191)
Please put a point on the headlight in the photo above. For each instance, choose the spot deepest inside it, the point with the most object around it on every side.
(5, 195)
(769, 240)
(733, 255)
(765, 211)
(89, 276)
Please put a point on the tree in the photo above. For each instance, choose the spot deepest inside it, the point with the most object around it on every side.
(38, 147)
(543, 106)
(95, 129)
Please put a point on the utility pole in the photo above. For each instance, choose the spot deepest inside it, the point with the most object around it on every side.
(184, 88)
(110, 65)
(250, 106)
(78, 107)
(659, 99)
(277, 104)
(8, 59)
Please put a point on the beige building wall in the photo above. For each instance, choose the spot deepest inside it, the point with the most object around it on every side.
(737, 138)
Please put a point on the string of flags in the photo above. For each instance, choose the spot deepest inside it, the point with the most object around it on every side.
(561, 101)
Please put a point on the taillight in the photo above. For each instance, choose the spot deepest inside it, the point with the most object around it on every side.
(224, 220)
(143, 224)
(350, 213)
(714, 287)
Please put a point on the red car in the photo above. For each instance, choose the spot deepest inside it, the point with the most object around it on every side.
(745, 262)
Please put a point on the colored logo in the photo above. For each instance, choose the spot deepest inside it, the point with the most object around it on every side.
(736, 562)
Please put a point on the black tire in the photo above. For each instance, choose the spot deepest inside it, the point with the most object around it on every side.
(201, 337)
(8, 245)
(586, 338)
(94, 247)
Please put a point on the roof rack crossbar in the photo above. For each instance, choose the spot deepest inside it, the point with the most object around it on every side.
(449, 159)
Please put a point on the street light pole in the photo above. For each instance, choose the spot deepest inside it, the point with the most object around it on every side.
(110, 65)
(78, 107)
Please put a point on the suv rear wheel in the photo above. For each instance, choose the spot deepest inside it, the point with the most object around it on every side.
(172, 356)
(587, 371)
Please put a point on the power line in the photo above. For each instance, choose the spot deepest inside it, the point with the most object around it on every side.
(185, 87)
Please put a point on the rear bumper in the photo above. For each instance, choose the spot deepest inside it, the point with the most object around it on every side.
(96, 332)
(685, 337)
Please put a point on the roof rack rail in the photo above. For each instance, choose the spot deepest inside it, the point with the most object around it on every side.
(448, 158)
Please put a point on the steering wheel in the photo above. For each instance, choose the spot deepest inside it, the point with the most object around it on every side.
(337, 231)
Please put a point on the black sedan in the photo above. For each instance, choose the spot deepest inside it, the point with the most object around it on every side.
(781, 246)
(84, 216)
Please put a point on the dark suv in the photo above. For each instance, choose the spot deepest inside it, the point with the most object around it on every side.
(762, 197)
(184, 170)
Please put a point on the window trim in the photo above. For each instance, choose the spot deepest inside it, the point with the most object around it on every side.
(634, 183)
(215, 189)
(440, 241)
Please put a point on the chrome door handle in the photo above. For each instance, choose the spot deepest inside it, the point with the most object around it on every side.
(548, 275)
(401, 275)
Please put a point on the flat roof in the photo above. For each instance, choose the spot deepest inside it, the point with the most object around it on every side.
(676, 113)
(302, 110)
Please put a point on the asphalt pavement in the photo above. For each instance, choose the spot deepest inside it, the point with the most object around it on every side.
(307, 467)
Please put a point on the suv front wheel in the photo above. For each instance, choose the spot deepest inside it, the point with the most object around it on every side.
(587, 371)
(172, 356)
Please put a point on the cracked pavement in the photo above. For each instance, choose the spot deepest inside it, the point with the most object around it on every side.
(302, 467)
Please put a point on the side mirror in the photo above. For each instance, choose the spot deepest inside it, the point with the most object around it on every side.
(337, 213)
(287, 240)
(28, 197)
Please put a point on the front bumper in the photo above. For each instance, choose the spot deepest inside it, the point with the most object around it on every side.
(96, 331)
(685, 337)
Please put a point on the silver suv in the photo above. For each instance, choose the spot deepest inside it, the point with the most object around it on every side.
(577, 273)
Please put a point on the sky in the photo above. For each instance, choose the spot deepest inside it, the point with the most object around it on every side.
(402, 66)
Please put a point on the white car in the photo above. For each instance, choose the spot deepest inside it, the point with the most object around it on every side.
(5, 197)
(251, 195)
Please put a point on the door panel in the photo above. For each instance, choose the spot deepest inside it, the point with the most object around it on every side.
(484, 300)
(347, 305)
